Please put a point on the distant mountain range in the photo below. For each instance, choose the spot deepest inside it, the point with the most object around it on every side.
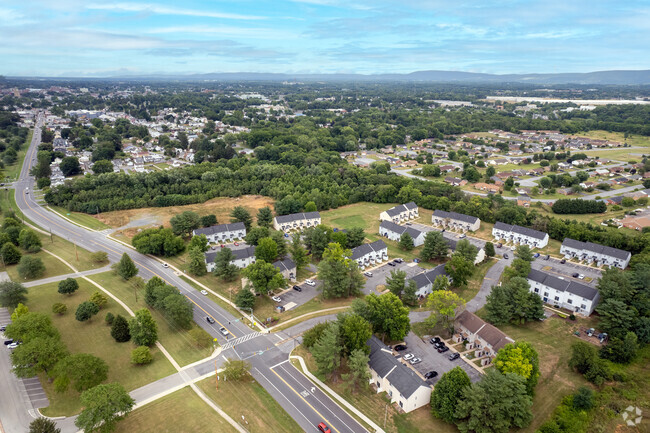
(622, 77)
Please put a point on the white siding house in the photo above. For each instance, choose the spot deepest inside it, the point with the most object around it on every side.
(222, 232)
(296, 221)
(370, 254)
(394, 232)
(595, 253)
(519, 235)
(571, 295)
(243, 258)
(424, 281)
(480, 255)
(454, 220)
(398, 214)
(485, 339)
(287, 268)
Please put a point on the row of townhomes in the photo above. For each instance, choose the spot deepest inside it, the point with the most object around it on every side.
(388, 374)
(222, 232)
(370, 254)
(595, 253)
(394, 232)
(296, 221)
(562, 293)
(246, 256)
(519, 235)
(485, 339)
(401, 213)
(480, 255)
(424, 281)
(454, 220)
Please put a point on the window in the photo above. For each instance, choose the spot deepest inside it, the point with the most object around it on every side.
(557, 298)
(546, 294)
(401, 404)
(583, 306)
(570, 301)
(536, 290)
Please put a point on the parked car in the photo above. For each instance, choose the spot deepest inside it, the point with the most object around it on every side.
(210, 320)
(276, 298)
(454, 356)
(223, 331)
(438, 344)
(536, 255)
(430, 374)
(280, 308)
(165, 265)
(297, 288)
(3, 328)
(416, 260)
(463, 236)
(590, 332)
(214, 247)
(409, 224)
(408, 356)
(8, 342)
(391, 264)
(548, 256)
(222, 246)
(434, 340)
(443, 349)
(12, 346)
(204, 292)
(286, 235)
(368, 274)
(575, 275)
(400, 347)
(415, 361)
(323, 428)
(581, 276)
(505, 256)
(236, 244)
(499, 245)
(513, 248)
(563, 261)
(310, 283)
(398, 260)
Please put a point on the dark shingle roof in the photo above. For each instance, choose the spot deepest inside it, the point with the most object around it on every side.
(396, 210)
(244, 253)
(520, 230)
(428, 277)
(563, 285)
(596, 248)
(283, 219)
(285, 265)
(455, 216)
(396, 228)
(364, 249)
(220, 228)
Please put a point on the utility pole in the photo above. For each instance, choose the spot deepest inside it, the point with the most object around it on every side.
(76, 252)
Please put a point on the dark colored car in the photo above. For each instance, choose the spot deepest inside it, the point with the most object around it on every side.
(548, 256)
(575, 275)
(391, 264)
(297, 288)
(443, 349)
(434, 340)
(400, 347)
(505, 256)
(398, 260)
(430, 374)
(210, 320)
(499, 245)
(454, 356)
(563, 261)
(438, 344)
(3, 328)
(8, 342)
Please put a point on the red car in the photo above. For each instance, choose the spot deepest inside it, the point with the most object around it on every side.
(236, 244)
(222, 245)
(323, 428)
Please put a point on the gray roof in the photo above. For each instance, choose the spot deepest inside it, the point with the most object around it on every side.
(283, 219)
(396, 210)
(220, 228)
(455, 216)
(244, 253)
(520, 230)
(364, 249)
(382, 361)
(285, 265)
(428, 277)
(563, 285)
(596, 248)
(396, 228)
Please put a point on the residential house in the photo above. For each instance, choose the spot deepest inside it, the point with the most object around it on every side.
(523, 201)
(505, 175)
(519, 235)
(389, 374)
(562, 293)
(394, 232)
(243, 258)
(296, 221)
(403, 212)
(370, 254)
(485, 339)
(222, 232)
(482, 186)
(447, 168)
(595, 253)
(455, 181)
(614, 200)
(497, 180)
(455, 220)
(637, 222)
(480, 255)
(424, 280)
(287, 268)
(565, 191)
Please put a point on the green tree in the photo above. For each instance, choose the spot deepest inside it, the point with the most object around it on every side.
(30, 267)
(616, 318)
(355, 331)
(254, 235)
(68, 286)
(31, 325)
(518, 268)
(83, 370)
(126, 268)
(396, 282)
(184, 223)
(317, 239)
(310, 206)
(524, 253)
(59, 308)
(409, 296)
(209, 220)
(102, 166)
(467, 250)
(197, 262)
(266, 250)
(99, 257)
(120, 329)
(358, 371)
(583, 399)
(10, 254)
(199, 242)
(99, 299)
(340, 275)
(298, 253)
(37, 355)
(356, 236)
(29, 241)
(513, 302)
(434, 247)
(178, 311)
(43, 425)
(311, 336)
(279, 239)
(496, 404)
(264, 277)
(440, 283)
(264, 217)
(447, 393)
(240, 214)
(459, 269)
(143, 328)
(236, 369)
(70, 166)
(223, 267)
(327, 350)
(406, 242)
(620, 350)
(522, 359)
(444, 304)
(109, 318)
(245, 299)
(103, 406)
(20, 310)
(85, 311)
(141, 356)
(387, 315)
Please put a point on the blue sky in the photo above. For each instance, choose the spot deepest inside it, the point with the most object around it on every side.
(109, 37)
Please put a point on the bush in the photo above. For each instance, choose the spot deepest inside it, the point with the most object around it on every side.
(68, 286)
(30, 267)
(120, 329)
(99, 299)
(109, 319)
(10, 254)
(59, 308)
(86, 310)
(141, 356)
(99, 257)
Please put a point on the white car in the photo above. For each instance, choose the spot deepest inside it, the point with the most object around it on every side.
(368, 274)
(12, 346)
(581, 276)
(224, 332)
(165, 265)
(463, 236)
(408, 356)
(276, 298)
(310, 283)
(204, 292)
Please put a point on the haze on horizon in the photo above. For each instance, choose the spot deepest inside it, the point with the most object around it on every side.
(108, 38)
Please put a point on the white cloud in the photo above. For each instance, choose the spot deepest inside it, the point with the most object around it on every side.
(245, 32)
(165, 10)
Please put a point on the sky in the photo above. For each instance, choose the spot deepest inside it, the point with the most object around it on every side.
(98, 38)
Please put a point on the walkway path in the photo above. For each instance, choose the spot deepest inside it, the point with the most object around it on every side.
(64, 276)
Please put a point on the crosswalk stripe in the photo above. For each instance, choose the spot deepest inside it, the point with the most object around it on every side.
(242, 339)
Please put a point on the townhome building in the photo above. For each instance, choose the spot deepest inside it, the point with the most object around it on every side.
(519, 235)
(389, 374)
(557, 291)
(595, 253)
(243, 258)
(394, 232)
(424, 280)
(398, 214)
(296, 221)
(287, 268)
(454, 220)
(480, 255)
(222, 232)
(370, 254)
(485, 339)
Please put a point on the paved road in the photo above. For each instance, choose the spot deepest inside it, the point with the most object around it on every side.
(282, 383)
(492, 277)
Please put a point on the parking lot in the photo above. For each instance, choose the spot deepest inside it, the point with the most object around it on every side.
(566, 270)
(380, 273)
(299, 298)
(434, 361)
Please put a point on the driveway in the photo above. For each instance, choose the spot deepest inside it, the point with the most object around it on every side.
(492, 277)
(432, 360)
(566, 270)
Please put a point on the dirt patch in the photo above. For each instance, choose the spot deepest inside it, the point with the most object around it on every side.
(129, 219)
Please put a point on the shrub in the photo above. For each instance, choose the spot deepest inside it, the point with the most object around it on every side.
(68, 286)
(30, 267)
(59, 308)
(99, 299)
(120, 329)
(109, 318)
(141, 356)
(99, 257)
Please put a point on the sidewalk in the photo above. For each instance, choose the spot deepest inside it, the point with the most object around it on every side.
(70, 275)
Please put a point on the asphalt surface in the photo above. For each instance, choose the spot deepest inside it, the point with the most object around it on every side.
(380, 273)
(284, 384)
(553, 267)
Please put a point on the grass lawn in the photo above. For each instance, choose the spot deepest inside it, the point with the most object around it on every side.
(92, 337)
(376, 406)
(474, 283)
(12, 171)
(53, 267)
(178, 342)
(190, 414)
(633, 139)
(247, 398)
(82, 219)
(265, 307)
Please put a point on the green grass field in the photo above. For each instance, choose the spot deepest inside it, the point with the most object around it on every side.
(82, 219)
(177, 341)
(247, 398)
(633, 139)
(91, 337)
(53, 267)
(180, 412)
(12, 171)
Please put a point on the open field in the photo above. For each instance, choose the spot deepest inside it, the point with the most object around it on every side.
(53, 267)
(633, 139)
(91, 337)
(156, 216)
(81, 218)
(178, 342)
(247, 398)
(180, 412)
